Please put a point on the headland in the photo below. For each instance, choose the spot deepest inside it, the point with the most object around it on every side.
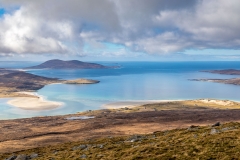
(21, 84)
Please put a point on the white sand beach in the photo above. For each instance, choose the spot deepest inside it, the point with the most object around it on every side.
(34, 103)
(131, 104)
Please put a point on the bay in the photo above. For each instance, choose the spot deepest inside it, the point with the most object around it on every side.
(132, 81)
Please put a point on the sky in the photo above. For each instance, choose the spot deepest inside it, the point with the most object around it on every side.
(126, 30)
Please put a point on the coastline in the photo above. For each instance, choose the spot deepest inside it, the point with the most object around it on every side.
(133, 103)
(205, 103)
(30, 133)
(37, 103)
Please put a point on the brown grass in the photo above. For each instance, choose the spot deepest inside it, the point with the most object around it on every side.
(196, 143)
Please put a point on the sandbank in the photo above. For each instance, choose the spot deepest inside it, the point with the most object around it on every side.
(34, 103)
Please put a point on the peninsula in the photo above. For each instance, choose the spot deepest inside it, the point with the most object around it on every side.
(73, 64)
(13, 83)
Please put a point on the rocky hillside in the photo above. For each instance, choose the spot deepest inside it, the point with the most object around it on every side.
(73, 64)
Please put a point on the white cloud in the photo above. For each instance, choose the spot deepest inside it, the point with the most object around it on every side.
(25, 34)
(212, 24)
(154, 26)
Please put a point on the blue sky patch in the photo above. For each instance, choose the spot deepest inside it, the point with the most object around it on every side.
(2, 12)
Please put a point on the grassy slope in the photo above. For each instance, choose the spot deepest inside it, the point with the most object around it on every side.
(196, 143)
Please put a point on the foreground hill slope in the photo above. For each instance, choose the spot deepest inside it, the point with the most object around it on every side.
(161, 131)
(73, 64)
(195, 142)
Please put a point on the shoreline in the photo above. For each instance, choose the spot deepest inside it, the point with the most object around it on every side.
(40, 131)
(37, 103)
(137, 103)
(133, 103)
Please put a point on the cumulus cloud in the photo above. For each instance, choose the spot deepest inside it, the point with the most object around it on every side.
(153, 26)
(21, 33)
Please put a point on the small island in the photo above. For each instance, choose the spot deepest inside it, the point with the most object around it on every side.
(234, 81)
(224, 71)
(80, 81)
(73, 64)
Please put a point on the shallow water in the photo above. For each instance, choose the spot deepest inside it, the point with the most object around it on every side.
(133, 81)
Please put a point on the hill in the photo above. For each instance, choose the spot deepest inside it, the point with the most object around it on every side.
(24, 81)
(73, 64)
(195, 142)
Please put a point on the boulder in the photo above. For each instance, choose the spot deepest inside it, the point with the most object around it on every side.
(214, 131)
(216, 124)
(21, 157)
(83, 156)
(34, 155)
(11, 158)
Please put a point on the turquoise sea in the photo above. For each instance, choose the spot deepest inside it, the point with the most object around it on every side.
(132, 81)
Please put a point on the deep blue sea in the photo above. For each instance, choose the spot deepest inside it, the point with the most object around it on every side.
(132, 81)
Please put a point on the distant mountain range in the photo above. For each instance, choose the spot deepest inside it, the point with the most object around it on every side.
(73, 64)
